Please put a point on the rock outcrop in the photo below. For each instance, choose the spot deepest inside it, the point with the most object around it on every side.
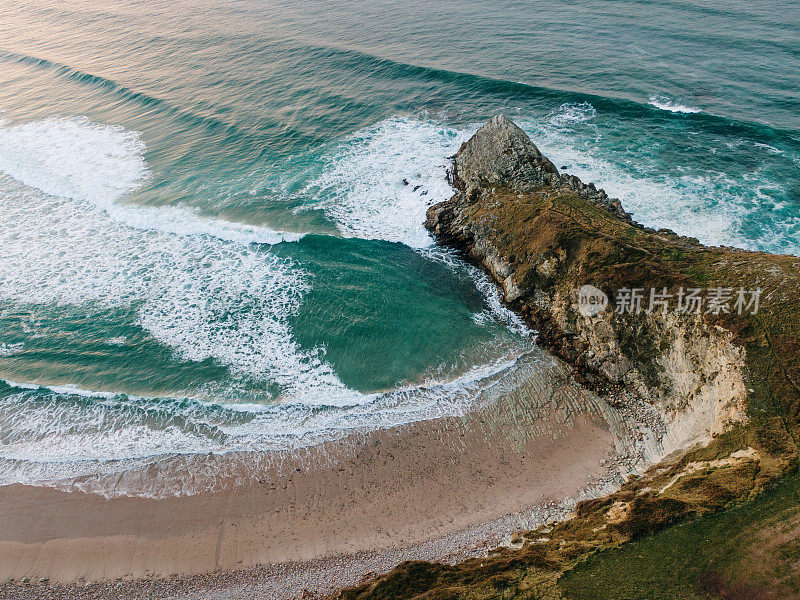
(544, 235)
(501, 154)
(723, 380)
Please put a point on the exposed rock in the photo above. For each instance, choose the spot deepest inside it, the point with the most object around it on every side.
(535, 233)
(501, 154)
(726, 385)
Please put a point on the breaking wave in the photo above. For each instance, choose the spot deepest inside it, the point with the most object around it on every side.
(665, 103)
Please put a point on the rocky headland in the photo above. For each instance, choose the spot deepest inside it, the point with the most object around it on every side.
(699, 343)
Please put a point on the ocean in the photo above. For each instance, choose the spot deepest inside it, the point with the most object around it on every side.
(212, 211)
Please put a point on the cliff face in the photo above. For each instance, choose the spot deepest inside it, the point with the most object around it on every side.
(544, 235)
(721, 384)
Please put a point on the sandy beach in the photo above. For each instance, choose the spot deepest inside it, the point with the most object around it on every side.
(438, 489)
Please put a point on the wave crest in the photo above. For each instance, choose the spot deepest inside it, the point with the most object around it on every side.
(665, 103)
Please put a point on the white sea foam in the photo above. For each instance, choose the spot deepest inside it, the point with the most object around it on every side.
(570, 114)
(768, 148)
(67, 389)
(75, 245)
(378, 183)
(11, 349)
(363, 177)
(52, 434)
(665, 103)
(365, 190)
(66, 241)
(364, 173)
(496, 311)
(71, 158)
(362, 180)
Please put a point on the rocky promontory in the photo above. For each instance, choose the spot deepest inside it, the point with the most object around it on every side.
(707, 339)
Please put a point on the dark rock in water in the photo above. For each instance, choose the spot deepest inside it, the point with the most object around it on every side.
(416, 187)
(564, 168)
(405, 181)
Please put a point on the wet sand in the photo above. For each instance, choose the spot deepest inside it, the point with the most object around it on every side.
(324, 516)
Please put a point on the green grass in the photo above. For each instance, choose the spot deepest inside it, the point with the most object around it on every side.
(742, 546)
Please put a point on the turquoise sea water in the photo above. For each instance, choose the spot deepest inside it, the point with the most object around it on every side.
(207, 243)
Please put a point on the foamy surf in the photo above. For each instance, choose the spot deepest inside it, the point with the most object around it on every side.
(71, 158)
(495, 311)
(665, 103)
(56, 435)
(68, 242)
(362, 183)
(12, 349)
(711, 206)
(379, 182)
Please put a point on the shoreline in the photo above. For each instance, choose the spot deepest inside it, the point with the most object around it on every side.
(544, 440)
(315, 578)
